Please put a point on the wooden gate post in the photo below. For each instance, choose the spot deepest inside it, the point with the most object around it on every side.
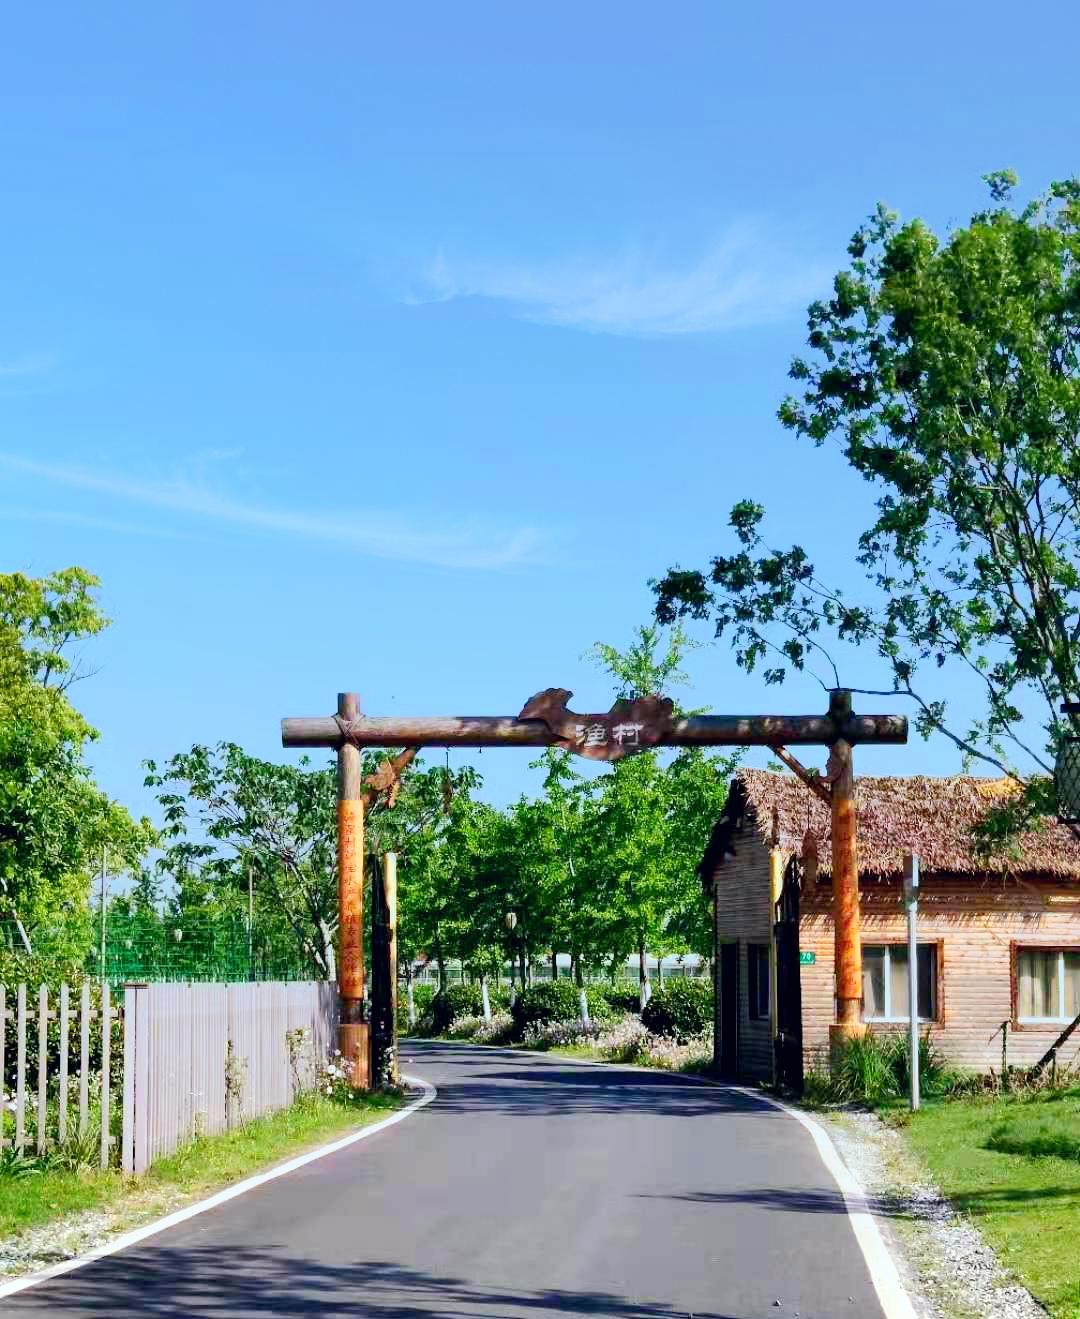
(390, 900)
(383, 972)
(352, 1028)
(845, 881)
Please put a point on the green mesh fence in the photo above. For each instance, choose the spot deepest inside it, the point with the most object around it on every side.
(216, 949)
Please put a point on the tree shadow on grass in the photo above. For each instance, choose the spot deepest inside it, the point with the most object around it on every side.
(810, 1201)
(212, 1283)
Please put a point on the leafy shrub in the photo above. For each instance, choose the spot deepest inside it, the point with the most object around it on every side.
(18, 968)
(558, 1000)
(682, 1009)
(620, 997)
(551, 1000)
(422, 995)
(864, 1071)
(874, 1067)
(453, 1002)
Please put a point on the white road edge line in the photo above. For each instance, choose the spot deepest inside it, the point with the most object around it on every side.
(884, 1274)
(138, 1234)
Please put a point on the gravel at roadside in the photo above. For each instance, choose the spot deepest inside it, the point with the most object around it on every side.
(950, 1271)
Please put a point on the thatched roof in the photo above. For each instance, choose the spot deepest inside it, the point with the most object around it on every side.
(933, 817)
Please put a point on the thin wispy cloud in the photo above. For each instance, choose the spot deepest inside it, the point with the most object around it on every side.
(16, 368)
(63, 517)
(745, 277)
(381, 535)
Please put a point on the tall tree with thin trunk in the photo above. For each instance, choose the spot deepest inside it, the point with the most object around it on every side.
(945, 371)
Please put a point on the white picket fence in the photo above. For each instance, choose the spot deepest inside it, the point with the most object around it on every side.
(17, 1008)
(197, 1058)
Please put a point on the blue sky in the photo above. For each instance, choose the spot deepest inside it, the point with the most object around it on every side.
(395, 349)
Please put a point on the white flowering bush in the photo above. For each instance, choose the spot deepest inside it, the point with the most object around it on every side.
(335, 1078)
(496, 1031)
(625, 1042)
(694, 1054)
(464, 1028)
(559, 1034)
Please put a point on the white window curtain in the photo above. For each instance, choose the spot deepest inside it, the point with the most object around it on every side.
(885, 982)
(1047, 984)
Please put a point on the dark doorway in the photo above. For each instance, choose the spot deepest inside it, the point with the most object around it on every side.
(729, 1010)
(788, 1043)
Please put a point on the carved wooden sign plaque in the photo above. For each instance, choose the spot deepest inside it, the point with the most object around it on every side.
(627, 727)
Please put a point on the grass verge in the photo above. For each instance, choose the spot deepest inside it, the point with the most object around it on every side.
(31, 1199)
(1013, 1164)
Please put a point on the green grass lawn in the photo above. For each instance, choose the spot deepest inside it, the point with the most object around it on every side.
(33, 1198)
(1013, 1164)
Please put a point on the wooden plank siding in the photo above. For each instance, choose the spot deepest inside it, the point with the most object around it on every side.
(976, 922)
(976, 925)
(742, 915)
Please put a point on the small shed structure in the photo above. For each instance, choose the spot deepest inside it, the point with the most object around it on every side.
(999, 941)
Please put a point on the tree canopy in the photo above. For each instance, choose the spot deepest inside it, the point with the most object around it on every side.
(946, 372)
(54, 820)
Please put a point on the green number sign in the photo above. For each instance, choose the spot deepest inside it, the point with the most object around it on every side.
(807, 959)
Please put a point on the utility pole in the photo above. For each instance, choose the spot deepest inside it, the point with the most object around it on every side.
(104, 856)
(251, 923)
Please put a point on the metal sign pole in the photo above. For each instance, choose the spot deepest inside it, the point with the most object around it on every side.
(911, 898)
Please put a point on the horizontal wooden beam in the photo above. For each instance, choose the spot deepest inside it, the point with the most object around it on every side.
(507, 731)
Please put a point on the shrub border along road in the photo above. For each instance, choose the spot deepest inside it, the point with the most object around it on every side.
(126, 1239)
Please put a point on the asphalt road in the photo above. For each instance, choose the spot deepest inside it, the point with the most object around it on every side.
(530, 1187)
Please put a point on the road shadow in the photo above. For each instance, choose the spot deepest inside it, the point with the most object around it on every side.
(501, 1082)
(784, 1199)
(269, 1283)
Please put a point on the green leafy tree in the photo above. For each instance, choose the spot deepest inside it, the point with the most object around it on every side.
(651, 823)
(228, 814)
(946, 371)
(54, 820)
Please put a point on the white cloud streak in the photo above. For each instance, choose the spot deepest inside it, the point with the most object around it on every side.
(746, 277)
(380, 535)
(18, 367)
(64, 518)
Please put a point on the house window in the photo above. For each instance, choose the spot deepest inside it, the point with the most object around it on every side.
(758, 957)
(1047, 984)
(885, 982)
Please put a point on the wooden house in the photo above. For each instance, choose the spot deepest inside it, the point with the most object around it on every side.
(999, 941)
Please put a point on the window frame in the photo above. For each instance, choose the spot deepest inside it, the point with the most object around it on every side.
(936, 981)
(1026, 946)
(756, 964)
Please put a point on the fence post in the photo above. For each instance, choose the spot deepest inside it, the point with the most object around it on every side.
(20, 1071)
(127, 1139)
(106, 1042)
(84, 1058)
(62, 1108)
(43, 1066)
(141, 1104)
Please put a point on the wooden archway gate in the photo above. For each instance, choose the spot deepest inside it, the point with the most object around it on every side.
(629, 726)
